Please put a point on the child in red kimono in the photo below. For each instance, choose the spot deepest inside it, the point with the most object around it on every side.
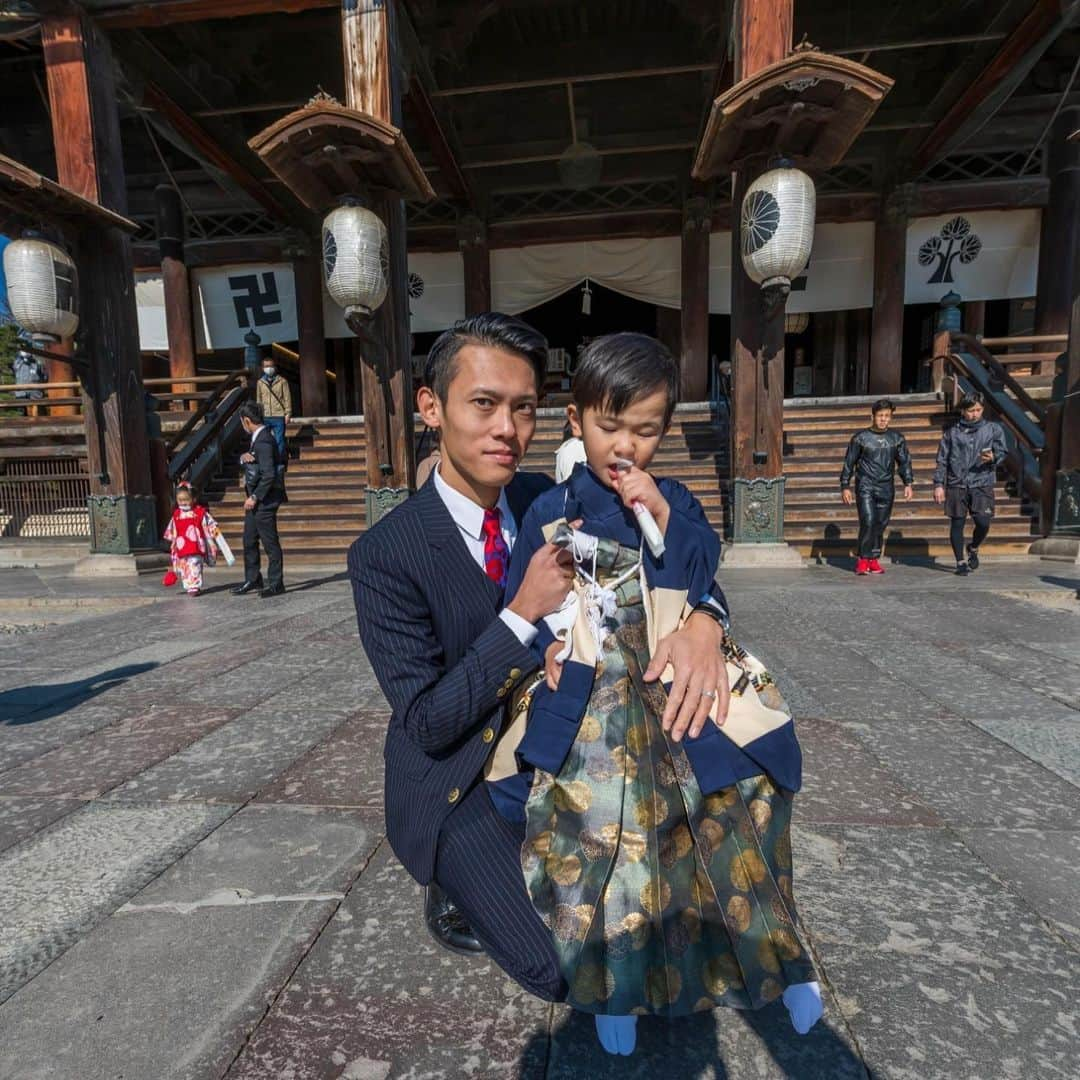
(192, 533)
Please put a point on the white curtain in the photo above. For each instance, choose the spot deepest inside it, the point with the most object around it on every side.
(150, 308)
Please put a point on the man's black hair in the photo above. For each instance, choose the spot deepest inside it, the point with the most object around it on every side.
(619, 369)
(496, 331)
(974, 398)
(882, 403)
(253, 411)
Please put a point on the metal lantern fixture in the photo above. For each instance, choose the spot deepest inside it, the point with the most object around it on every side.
(356, 261)
(42, 287)
(777, 227)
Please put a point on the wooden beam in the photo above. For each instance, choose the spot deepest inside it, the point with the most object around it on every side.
(476, 256)
(887, 327)
(419, 108)
(575, 80)
(176, 285)
(1057, 287)
(1027, 36)
(311, 346)
(205, 144)
(172, 12)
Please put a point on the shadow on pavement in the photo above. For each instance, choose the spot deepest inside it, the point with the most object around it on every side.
(30, 704)
(691, 1046)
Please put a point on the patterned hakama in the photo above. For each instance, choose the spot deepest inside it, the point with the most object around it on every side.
(660, 900)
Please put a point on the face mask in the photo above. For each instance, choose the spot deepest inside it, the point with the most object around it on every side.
(185, 508)
(269, 372)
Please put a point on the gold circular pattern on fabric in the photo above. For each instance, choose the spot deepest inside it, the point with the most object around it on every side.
(712, 832)
(651, 812)
(574, 796)
(786, 943)
(624, 763)
(766, 955)
(663, 985)
(563, 870)
(589, 730)
(739, 913)
(747, 870)
(770, 990)
(720, 974)
(761, 812)
(655, 896)
(782, 851)
(592, 983)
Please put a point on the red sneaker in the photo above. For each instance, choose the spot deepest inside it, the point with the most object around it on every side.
(862, 566)
(875, 567)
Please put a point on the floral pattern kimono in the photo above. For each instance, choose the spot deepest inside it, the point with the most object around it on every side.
(192, 535)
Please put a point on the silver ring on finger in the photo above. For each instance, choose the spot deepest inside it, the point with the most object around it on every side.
(710, 694)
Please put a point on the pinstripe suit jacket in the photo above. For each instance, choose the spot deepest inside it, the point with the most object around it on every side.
(429, 622)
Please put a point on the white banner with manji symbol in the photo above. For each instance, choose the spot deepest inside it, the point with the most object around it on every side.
(989, 255)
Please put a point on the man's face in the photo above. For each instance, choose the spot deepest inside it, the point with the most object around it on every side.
(882, 419)
(488, 418)
(974, 413)
(268, 367)
(632, 435)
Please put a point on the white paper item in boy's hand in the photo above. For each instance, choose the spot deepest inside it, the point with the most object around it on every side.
(226, 551)
(649, 529)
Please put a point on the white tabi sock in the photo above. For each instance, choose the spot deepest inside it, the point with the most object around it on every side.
(617, 1034)
(803, 1003)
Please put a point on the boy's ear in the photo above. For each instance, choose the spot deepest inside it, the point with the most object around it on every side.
(575, 420)
(429, 407)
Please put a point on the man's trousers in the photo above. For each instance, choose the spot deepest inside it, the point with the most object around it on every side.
(875, 503)
(478, 865)
(260, 526)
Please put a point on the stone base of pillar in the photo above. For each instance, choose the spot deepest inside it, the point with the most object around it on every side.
(122, 524)
(757, 556)
(759, 510)
(380, 501)
(113, 566)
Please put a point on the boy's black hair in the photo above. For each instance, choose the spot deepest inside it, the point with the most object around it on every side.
(974, 398)
(493, 329)
(882, 403)
(253, 411)
(618, 369)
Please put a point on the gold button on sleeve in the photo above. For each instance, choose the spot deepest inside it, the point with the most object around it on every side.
(453, 796)
(515, 674)
(501, 692)
(488, 735)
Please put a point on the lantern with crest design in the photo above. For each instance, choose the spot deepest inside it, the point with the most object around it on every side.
(356, 262)
(42, 287)
(777, 227)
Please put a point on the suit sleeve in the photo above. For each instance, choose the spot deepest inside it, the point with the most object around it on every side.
(265, 460)
(851, 459)
(903, 460)
(529, 540)
(941, 466)
(437, 706)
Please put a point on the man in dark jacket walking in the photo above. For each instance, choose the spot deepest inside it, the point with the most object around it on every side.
(964, 477)
(265, 489)
(873, 456)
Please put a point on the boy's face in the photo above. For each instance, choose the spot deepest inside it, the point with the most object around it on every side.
(882, 419)
(488, 419)
(973, 414)
(633, 434)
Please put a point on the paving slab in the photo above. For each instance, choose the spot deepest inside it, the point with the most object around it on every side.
(1056, 678)
(969, 777)
(344, 770)
(941, 971)
(844, 782)
(376, 997)
(92, 765)
(1040, 865)
(22, 817)
(1053, 741)
(59, 884)
(232, 763)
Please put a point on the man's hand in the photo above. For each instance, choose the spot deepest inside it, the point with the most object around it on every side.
(939, 495)
(552, 667)
(909, 493)
(545, 585)
(288, 419)
(247, 458)
(249, 503)
(636, 485)
(694, 653)
(847, 496)
(986, 455)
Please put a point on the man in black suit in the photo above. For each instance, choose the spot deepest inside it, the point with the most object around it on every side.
(428, 586)
(264, 486)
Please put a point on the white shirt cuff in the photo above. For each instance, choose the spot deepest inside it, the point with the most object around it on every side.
(524, 631)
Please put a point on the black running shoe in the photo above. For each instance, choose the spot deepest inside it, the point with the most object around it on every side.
(973, 558)
(962, 569)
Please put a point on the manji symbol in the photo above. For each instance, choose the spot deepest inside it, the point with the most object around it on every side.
(255, 306)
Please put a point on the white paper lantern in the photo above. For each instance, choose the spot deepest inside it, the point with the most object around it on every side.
(42, 287)
(356, 260)
(777, 227)
(796, 322)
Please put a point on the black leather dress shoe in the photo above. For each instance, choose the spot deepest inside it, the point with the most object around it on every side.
(248, 587)
(447, 925)
(274, 590)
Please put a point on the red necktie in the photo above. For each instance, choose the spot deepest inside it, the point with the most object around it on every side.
(496, 553)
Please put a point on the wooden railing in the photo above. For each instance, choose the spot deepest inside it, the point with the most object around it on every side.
(196, 451)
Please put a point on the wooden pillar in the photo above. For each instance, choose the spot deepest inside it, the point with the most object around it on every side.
(311, 346)
(341, 383)
(86, 138)
(179, 323)
(694, 322)
(861, 320)
(373, 86)
(1058, 286)
(57, 371)
(476, 256)
(975, 318)
(887, 327)
(838, 352)
(669, 329)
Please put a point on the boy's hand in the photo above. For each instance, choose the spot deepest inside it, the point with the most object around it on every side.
(636, 485)
(552, 667)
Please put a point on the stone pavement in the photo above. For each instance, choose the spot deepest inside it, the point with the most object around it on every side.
(194, 880)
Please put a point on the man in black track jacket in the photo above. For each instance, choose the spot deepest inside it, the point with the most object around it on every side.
(873, 455)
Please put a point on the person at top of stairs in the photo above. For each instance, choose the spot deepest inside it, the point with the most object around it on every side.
(273, 394)
(967, 459)
(873, 456)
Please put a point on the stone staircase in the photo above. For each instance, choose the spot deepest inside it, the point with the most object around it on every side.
(325, 512)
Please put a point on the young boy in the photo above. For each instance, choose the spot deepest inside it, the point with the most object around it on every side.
(967, 459)
(873, 455)
(637, 842)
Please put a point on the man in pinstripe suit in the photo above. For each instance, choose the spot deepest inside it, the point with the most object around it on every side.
(428, 582)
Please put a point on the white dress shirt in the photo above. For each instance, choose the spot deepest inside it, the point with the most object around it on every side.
(469, 518)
